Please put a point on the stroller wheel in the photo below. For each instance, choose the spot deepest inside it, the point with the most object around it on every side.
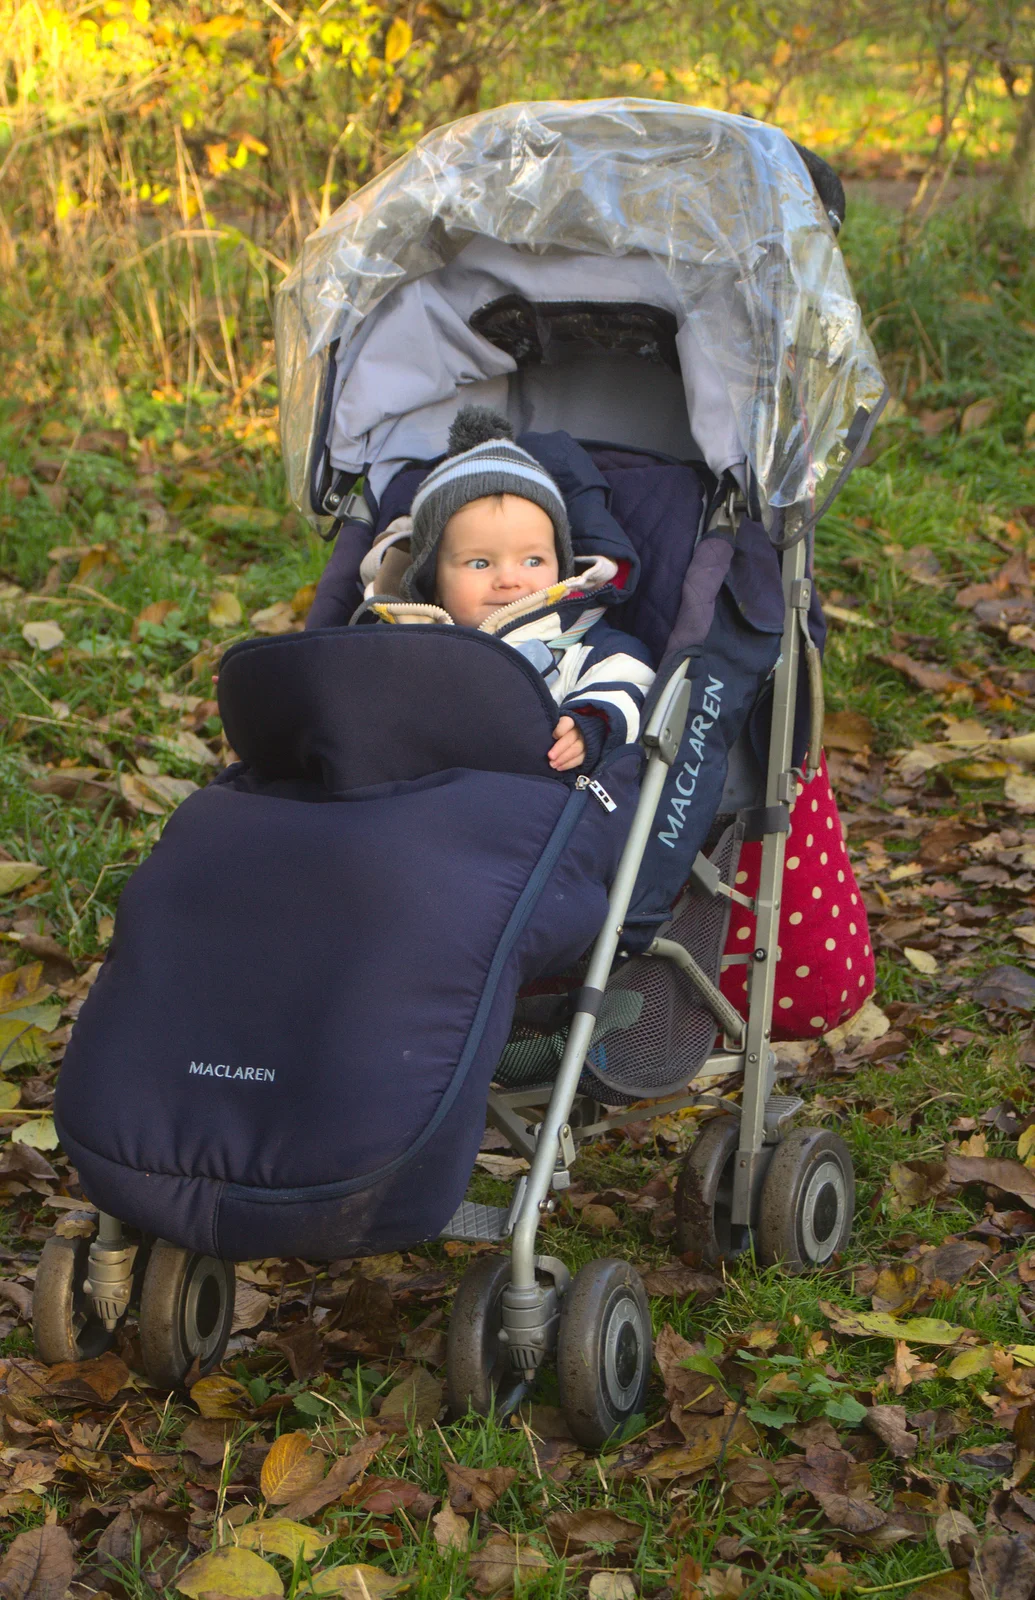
(186, 1309)
(603, 1351)
(477, 1365)
(704, 1195)
(808, 1199)
(64, 1323)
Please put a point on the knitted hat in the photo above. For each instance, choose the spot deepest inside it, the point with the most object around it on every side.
(482, 460)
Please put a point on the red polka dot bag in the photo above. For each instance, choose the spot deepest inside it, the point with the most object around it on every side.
(825, 968)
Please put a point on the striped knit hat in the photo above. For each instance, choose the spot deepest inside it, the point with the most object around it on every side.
(483, 460)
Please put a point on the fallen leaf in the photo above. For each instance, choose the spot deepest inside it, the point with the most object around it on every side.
(501, 1562)
(382, 1496)
(907, 1368)
(933, 679)
(344, 1472)
(831, 1576)
(970, 1363)
(474, 1489)
(278, 618)
(975, 416)
(879, 1325)
(612, 1586)
(16, 874)
(500, 1166)
(922, 960)
(154, 615)
(1003, 1569)
(915, 1182)
(847, 730)
(291, 1468)
(250, 1306)
(941, 1586)
(897, 1288)
(224, 609)
(206, 1438)
(889, 1424)
(998, 1171)
(868, 1023)
(353, 1581)
(571, 1531)
(1019, 789)
(708, 1438)
(39, 1565)
(933, 423)
(105, 1375)
(243, 517)
(957, 1537)
(237, 1573)
(40, 1133)
(682, 1282)
(953, 1261)
(415, 1402)
(1010, 986)
(188, 747)
(600, 1219)
(279, 1536)
(43, 635)
(221, 1397)
(452, 1531)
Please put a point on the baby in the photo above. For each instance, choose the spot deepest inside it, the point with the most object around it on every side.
(490, 548)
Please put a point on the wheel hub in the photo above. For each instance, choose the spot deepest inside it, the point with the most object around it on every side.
(202, 1311)
(823, 1206)
(623, 1354)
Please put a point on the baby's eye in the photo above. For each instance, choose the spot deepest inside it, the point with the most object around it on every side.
(533, 561)
(478, 563)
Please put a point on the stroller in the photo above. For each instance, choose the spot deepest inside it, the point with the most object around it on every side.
(306, 1016)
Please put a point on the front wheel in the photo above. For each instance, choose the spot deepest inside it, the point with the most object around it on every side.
(808, 1201)
(603, 1351)
(186, 1311)
(65, 1325)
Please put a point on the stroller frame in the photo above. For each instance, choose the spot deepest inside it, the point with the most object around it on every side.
(530, 1307)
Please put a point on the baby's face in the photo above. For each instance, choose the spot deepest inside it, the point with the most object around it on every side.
(493, 552)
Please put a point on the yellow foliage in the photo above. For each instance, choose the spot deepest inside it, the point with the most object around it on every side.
(398, 40)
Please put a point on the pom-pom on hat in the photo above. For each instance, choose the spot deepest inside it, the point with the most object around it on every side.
(482, 460)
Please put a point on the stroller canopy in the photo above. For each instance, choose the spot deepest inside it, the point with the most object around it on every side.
(506, 241)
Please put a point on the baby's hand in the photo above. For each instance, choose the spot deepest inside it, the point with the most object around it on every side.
(570, 748)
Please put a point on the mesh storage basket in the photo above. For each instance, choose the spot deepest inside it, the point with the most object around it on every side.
(653, 1033)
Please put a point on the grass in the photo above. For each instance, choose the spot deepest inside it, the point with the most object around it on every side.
(150, 524)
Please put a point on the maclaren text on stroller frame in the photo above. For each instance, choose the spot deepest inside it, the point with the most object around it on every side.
(664, 284)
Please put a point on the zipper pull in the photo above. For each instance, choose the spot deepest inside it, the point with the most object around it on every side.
(597, 789)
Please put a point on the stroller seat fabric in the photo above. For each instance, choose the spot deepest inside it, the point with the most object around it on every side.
(303, 1004)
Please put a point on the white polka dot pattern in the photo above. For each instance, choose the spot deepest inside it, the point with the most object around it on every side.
(825, 964)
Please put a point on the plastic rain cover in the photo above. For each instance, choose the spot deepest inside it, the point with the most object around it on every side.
(722, 205)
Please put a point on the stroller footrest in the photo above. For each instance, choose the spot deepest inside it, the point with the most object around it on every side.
(779, 1108)
(479, 1224)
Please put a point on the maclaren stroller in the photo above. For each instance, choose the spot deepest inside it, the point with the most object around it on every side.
(392, 916)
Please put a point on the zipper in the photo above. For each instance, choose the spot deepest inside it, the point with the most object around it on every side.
(597, 790)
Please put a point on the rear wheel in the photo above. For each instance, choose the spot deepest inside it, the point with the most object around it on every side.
(603, 1351)
(64, 1323)
(704, 1195)
(477, 1364)
(186, 1310)
(808, 1200)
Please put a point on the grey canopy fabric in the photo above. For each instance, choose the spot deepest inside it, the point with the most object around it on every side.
(711, 218)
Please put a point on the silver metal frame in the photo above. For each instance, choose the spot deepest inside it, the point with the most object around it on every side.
(531, 1300)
